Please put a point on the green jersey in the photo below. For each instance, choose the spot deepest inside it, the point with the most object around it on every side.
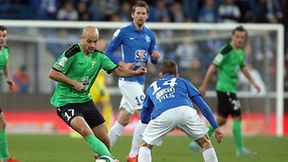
(4, 55)
(82, 68)
(227, 61)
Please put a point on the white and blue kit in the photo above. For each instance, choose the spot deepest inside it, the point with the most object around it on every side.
(168, 106)
(136, 47)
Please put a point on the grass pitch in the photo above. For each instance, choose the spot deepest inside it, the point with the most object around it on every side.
(62, 148)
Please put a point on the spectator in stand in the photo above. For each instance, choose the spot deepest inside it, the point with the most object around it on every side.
(229, 12)
(67, 12)
(125, 11)
(21, 80)
(161, 10)
(208, 12)
(188, 58)
(176, 12)
(84, 13)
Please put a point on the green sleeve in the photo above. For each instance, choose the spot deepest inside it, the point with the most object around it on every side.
(108, 65)
(63, 64)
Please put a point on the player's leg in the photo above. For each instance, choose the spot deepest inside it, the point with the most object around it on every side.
(73, 115)
(155, 132)
(119, 125)
(4, 154)
(208, 153)
(144, 154)
(237, 127)
(194, 127)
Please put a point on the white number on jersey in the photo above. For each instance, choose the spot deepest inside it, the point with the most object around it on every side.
(171, 83)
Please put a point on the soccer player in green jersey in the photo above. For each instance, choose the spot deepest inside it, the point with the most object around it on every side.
(229, 59)
(4, 55)
(75, 71)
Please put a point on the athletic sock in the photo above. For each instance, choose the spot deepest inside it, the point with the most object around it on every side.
(210, 131)
(137, 136)
(209, 155)
(115, 133)
(4, 154)
(97, 146)
(144, 155)
(237, 134)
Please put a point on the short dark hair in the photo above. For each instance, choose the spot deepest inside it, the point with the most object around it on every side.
(140, 4)
(169, 67)
(3, 28)
(240, 29)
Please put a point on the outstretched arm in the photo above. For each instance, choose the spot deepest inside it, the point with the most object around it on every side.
(125, 70)
(210, 72)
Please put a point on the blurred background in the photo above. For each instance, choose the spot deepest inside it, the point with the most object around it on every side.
(34, 49)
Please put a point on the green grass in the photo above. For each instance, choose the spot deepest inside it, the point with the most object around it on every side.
(62, 148)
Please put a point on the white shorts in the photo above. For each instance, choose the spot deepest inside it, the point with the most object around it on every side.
(184, 118)
(132, 95)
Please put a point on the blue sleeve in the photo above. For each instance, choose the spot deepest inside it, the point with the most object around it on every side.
(153, 47)
(206, 110)
(113, 45)
(147, 110)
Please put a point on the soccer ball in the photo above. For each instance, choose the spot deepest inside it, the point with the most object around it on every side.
(105, 159)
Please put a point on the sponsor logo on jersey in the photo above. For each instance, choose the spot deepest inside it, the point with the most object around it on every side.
(165, 93)
(63, 61)
(141, 55)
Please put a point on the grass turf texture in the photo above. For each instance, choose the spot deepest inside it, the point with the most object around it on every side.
(62, 148)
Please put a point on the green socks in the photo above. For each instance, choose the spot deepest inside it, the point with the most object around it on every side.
(237, 134)
(4, 154)
(210, 131)
(97, 146)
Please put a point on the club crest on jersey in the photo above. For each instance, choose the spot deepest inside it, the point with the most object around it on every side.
(141, 55)
(148, 40)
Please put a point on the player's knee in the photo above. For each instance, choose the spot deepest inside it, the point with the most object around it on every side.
(204, 142)
(144, 144)
(2, 123)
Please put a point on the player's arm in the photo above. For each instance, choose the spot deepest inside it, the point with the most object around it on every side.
(10, 82)
(60, 77)
(146, 110)
(126, 71)
(113, 45)
(210, 72)
(247, 74)
(155, 55)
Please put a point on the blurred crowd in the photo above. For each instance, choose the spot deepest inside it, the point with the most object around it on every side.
(211, 11)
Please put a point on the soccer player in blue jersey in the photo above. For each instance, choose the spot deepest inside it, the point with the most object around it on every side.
(138, 45)
(168, 106)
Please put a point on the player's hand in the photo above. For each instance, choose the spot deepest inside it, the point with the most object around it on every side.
(218, 135)
(10, 83)
(79, 86)
(258, 88)
(202, 89)
(140, 71)
(155, 55)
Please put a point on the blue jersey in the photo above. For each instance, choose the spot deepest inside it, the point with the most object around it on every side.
(136, 45)
(170, 92)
